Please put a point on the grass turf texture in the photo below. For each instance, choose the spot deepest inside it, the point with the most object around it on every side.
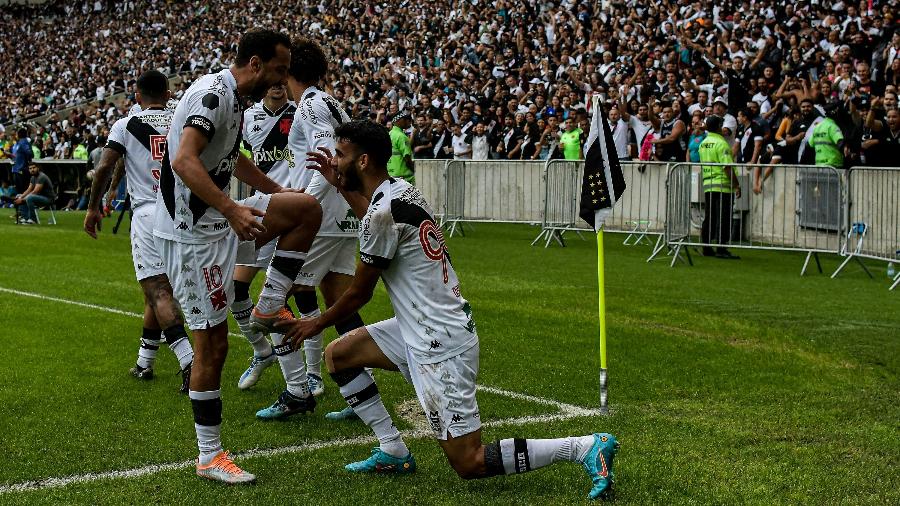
(730, 382)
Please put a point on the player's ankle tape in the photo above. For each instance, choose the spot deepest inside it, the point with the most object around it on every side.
(346, 376)
(151, 334)
(283, 349)
(175, 333)
(207, 412)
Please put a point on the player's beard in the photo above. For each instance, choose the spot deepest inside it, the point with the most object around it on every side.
(259, 91)
(351, 180)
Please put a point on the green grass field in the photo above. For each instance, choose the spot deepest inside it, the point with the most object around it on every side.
(730, 382)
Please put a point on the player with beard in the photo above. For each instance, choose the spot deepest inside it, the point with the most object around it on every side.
(198, 226)
(431, 339)
(139, 142)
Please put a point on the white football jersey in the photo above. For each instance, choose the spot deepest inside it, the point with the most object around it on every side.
(400, 235)
(320, 114)
(267, 133)
(171, 104)
(212, 106)
(141, 140)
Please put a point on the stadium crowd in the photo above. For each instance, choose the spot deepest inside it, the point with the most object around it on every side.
(493, 79)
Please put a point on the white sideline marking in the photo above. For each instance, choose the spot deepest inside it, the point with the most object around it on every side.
(82, 304)
(566, 412)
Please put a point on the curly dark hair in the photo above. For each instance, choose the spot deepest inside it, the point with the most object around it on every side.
(260, 42)
(369, 137)
(308, 61)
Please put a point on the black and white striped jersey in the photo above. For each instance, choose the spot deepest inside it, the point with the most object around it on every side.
(267, 134)
(400, 235)
(141, 140)
(211, 105)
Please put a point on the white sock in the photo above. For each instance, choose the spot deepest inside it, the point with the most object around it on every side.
(183, 351)
(312, 348)
(150, 342)
(241, 310)
(372, 411)
(521, 455)
(280, 278)
(292, 367)
(207, 408)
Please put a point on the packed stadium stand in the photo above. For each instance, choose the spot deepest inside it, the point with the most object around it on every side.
(522, 68)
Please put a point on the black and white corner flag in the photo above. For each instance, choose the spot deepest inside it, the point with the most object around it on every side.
(603, 182)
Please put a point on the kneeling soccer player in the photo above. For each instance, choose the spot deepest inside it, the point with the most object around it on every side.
(431, 340)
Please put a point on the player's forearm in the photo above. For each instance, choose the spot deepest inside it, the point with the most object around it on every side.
(192, 172)
(249, 173)
(350, 302)
(118, 174)
(108, 161)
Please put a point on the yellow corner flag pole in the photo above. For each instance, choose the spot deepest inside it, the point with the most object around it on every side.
(604, 403)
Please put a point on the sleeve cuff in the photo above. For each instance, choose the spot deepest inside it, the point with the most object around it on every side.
(201, 123)
(375, 261)
(115, 146)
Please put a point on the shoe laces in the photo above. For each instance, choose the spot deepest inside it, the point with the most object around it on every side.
(224, 462)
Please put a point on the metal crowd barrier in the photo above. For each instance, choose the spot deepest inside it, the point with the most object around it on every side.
(640, 211)
(798, 208)
(873, 215)
(492, 191)
(431, 180)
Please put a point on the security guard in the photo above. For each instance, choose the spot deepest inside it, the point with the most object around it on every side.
(720, 186)
(401, 164)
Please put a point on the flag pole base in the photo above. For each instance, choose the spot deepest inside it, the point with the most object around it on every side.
(604, 403)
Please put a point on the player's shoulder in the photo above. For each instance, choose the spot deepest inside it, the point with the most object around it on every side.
(211, 90)
(407, 205)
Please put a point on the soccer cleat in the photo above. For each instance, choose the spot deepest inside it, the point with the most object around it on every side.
(185, 378)
(599, 465)
(344, 414)
(382, 463)
(287, 405)
(224, 470)
(265, 323)
(142, 373)
(253, 373)
(316, 385)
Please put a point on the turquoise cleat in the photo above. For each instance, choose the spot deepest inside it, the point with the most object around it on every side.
(344, 414)
(382, 463)
(599, 465)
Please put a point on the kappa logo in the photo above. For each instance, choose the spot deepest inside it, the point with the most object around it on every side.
(182, 226)
(269, 286)
(196, 310)
(193, 297)
(456, 418)
(256, 128)
(435, 344)
(190, 283)
(140, 267)
(186, 268)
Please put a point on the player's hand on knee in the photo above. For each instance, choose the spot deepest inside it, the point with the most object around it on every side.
(244, 223)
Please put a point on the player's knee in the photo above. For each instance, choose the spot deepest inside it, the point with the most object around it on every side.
(309, 212)
(332, 359)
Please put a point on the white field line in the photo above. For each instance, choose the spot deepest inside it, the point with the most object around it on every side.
(566, 412)
(82, 304)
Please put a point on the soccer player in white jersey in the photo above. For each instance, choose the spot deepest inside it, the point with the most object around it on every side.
(332, 258)
(140, 141)
(431, 339)
(198, 226)
(266, 126)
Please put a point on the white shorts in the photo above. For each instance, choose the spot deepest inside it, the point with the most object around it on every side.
(202, 275)
(328, 254)
(147, 259)
(446, 389)
(249, 256)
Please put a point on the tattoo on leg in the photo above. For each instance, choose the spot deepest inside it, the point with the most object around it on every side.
(159, 292)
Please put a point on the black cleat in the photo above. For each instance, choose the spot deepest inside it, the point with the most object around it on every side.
(185, 379)
(142, 373)
(287, 405)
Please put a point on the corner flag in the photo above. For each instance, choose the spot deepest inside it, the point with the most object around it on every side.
(602, 184)
(603, 181)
